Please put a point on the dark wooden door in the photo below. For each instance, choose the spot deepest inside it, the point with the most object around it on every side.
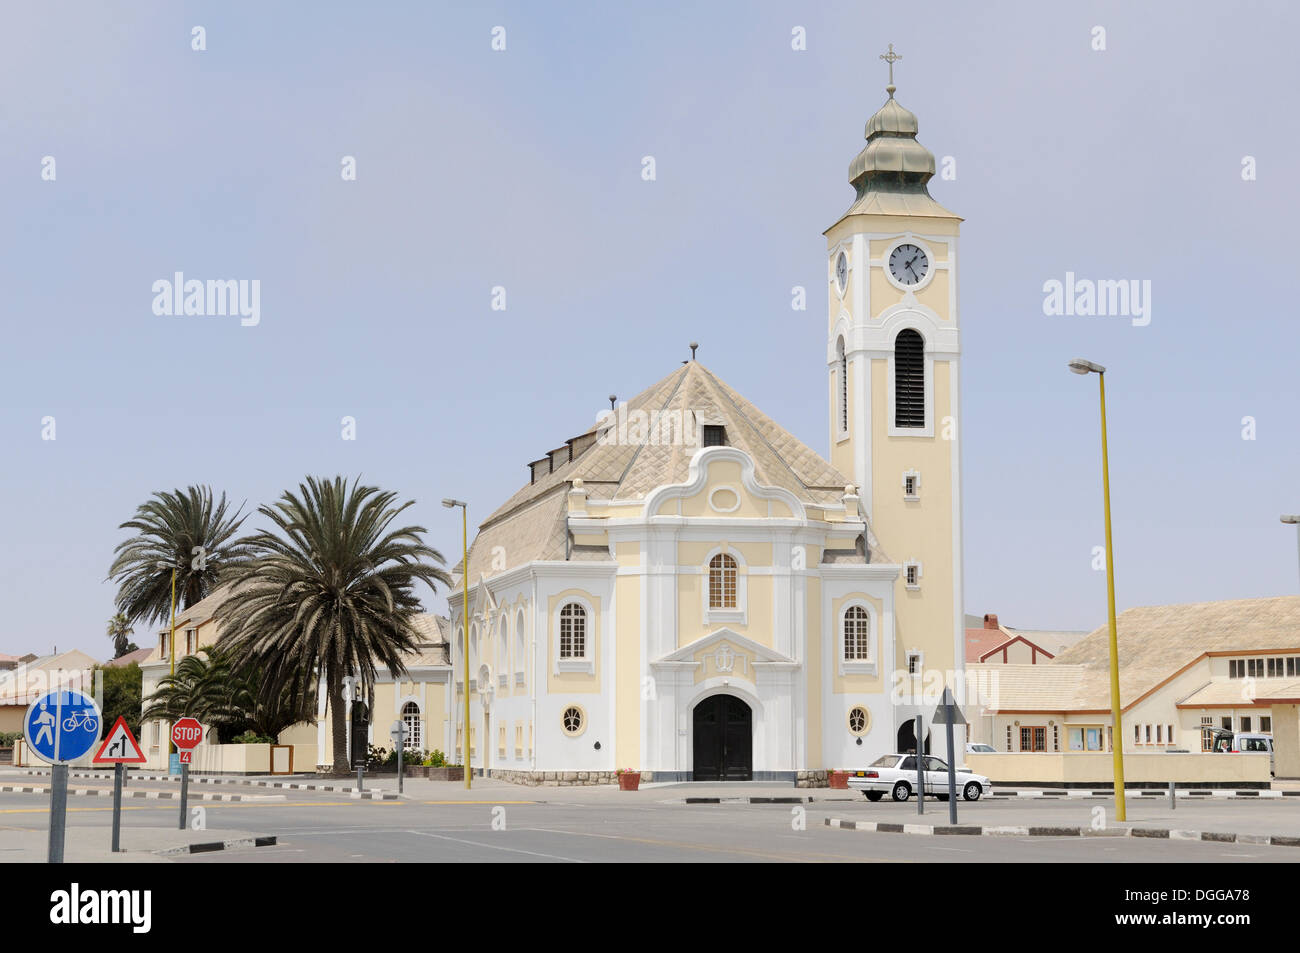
(724, 740)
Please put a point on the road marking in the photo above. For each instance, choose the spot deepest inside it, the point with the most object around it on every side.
(748, 852)
(480, 803)
(513, 850)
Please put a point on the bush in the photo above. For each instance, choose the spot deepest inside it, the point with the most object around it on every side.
(252, 738)
(381, 759)
(7, 738)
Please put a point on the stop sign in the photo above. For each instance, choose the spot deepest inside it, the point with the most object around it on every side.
(187, 733)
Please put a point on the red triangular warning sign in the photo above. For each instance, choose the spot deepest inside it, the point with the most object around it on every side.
(120, 747)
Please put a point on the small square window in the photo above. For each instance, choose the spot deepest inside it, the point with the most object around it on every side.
(911, 485)
(715, 435)
(1266, 724)
(1245, 723)
(912, 575)
(913, 663)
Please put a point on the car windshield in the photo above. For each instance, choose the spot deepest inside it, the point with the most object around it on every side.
(981, 747)
(886, 762)
(934, 764)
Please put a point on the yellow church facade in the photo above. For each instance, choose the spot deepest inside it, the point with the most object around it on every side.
(688, 590)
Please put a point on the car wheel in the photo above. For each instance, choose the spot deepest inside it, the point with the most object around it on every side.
(972, 791)
(874, 795)
(902, 791)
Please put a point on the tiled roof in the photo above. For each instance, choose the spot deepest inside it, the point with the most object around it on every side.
(138, 656)
(981, 641)
(1155, 643)
(531, 524)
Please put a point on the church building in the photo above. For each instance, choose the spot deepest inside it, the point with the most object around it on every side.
(688, 590)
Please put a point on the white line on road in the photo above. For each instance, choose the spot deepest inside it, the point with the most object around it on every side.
(513, 850)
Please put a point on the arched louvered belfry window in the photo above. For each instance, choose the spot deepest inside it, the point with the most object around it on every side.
(843, 371)
(909, 379)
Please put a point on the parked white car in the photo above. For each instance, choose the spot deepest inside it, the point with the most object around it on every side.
(895, 775)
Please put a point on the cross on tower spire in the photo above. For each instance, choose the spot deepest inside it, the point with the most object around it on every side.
(891, 58)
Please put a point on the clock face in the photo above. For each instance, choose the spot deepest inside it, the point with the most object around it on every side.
(842, 271)
(908, 264)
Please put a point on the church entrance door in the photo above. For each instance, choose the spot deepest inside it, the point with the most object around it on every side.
(724, 740)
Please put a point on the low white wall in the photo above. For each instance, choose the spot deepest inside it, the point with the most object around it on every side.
(1084, 768)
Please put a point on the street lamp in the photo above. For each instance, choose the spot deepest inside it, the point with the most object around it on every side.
(464, 575)
(171, 647)
(1080, 366)
(1294, 519)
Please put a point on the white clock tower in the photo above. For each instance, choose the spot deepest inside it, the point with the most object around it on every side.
(893, 356)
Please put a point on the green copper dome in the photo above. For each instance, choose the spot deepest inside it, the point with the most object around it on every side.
(893, 161)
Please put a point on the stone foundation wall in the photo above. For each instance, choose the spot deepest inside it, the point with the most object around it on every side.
(811, 779)
(558, 778)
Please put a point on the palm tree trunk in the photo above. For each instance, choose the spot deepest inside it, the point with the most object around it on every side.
(338, 725)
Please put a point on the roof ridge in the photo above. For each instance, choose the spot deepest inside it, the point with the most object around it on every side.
(667, 400)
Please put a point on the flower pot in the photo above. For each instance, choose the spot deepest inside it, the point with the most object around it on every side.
(840, 780)
(629, 781)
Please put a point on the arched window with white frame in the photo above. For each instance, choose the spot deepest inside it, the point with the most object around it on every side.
(521, 651)
(857, 635)
(722, 582)
(573, 631)
(413, 726)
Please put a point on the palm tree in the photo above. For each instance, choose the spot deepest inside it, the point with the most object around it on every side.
(119, 630)
(183, 529)
(329, 592)
(223, 691)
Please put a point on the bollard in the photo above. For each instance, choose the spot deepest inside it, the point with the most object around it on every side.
(361, 767)
(1173, 803)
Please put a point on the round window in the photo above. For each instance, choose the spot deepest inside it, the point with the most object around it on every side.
(573, 720)
(859, 720)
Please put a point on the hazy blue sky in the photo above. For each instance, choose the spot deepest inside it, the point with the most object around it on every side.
(522, 169)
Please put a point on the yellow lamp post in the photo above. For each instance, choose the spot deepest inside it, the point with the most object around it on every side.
(1080, 366)
(171, 648)
(464, 575)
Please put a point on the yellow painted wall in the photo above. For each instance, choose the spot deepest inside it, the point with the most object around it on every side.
(922, 530)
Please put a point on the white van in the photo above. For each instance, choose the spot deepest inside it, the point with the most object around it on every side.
(1228, 742)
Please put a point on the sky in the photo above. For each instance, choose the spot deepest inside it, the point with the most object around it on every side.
(1160, 149)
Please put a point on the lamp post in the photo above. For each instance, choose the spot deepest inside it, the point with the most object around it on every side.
(1293, 519)
(464, 575)
(171, 649)
(1080, 366)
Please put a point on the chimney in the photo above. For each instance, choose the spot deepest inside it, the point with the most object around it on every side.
(990, 620)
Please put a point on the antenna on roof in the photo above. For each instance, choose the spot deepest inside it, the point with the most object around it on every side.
(613, 399)
(694, 345)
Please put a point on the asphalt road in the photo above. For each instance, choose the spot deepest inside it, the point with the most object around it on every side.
(514, 825)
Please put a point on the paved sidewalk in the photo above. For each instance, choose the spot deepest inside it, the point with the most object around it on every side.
(141, 845)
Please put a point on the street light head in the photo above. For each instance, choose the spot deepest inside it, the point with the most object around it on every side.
(1291, 518)
(1080, 366)
(450, 503)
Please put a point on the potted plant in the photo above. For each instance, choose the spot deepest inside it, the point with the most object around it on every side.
(628, 780)
(838, 779)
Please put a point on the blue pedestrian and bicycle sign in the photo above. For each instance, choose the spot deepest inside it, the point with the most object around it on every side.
(62, 725)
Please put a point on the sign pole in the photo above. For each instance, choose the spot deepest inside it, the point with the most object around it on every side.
(58, 811)
(185, 792)
(920, 770)
(401, 745)
(119, 773)
(952, 769)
